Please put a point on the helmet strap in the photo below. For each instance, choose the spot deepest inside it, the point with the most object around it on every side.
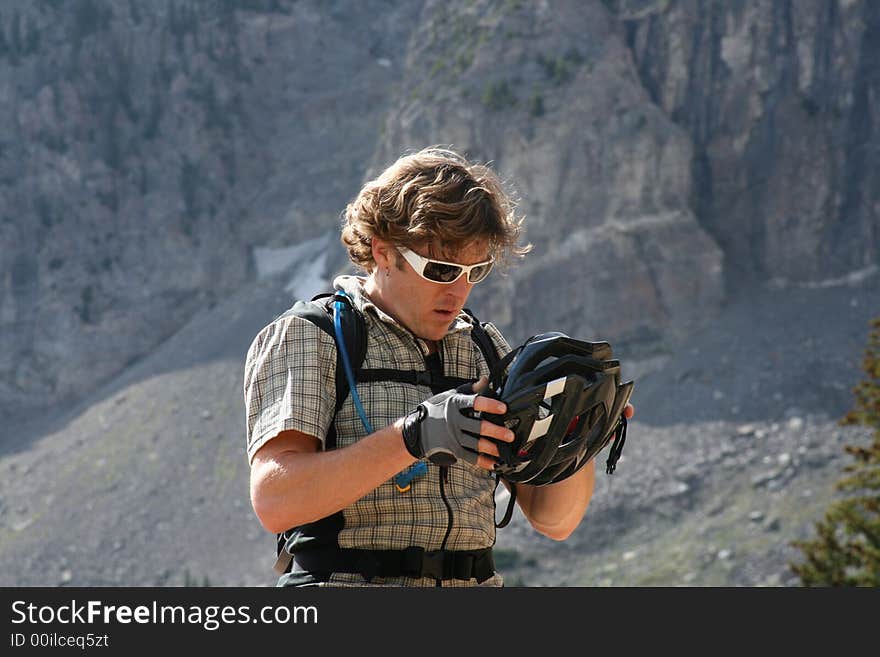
(508, 514)
(617, 447)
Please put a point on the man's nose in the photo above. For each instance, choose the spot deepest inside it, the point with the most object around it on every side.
(461, 288)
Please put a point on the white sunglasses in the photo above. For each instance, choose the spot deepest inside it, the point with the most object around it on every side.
(438, 271)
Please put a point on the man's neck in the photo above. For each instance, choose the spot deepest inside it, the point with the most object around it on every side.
(374, 294)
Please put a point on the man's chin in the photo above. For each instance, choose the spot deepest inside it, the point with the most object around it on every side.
(434, 332)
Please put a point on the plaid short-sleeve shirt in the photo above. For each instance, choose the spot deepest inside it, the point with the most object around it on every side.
(289, 383)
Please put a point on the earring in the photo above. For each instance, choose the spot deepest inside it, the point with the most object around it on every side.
(387, 272)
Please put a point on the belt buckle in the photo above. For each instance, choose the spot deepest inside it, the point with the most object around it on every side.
(432, 564)
(412, 561)
(368, 565)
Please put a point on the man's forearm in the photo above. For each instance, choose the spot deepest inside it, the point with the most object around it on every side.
(557, 509)
(300, 487)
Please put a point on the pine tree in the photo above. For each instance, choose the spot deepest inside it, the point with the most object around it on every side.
(846, 551)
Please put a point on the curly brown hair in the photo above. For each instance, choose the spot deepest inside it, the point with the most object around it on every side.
(435, 197)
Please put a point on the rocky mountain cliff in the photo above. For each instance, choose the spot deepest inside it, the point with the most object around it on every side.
(167, 169)
(780, 102)
(664, 153)
(549, 93)
(148, 148)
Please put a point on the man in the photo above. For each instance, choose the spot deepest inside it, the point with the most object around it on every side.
(425, 232)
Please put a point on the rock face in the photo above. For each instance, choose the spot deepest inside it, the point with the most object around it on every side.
(550, 95)
(660, 151)
(146, 148)
(780, 102)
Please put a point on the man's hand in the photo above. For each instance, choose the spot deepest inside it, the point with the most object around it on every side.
(447, 427)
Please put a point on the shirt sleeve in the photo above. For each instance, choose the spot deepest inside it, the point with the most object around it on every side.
(289, 382)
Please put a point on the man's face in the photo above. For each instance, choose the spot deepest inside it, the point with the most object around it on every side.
(424, 307)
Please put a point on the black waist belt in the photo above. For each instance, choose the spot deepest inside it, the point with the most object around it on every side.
(410, 562)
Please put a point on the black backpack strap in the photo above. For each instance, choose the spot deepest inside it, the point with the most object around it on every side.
(497, 365)
(486, 346)
(319, 311)
(437, 382)
(413, 561)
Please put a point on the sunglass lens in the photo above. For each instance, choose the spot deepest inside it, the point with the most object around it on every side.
(477, 274)
(440, 272)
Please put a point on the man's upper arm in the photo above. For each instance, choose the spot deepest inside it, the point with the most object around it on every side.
(285, 442)
(289, 382)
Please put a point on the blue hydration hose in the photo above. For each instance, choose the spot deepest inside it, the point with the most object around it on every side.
(403, 480)
(340, 342)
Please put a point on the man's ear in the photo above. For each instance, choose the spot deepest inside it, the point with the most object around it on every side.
(383, 253)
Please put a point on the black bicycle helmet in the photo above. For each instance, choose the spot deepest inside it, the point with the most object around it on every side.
(565, 403)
